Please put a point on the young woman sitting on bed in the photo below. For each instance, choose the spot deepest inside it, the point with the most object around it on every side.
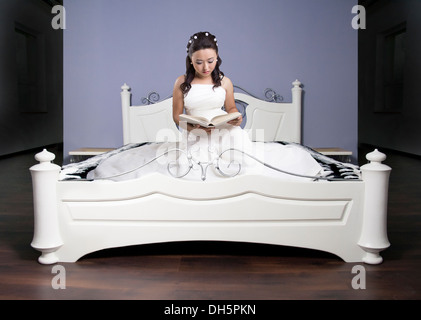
(202, 68)
(204, 91)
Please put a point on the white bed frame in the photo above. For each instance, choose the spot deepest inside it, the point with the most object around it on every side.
(346, 218)
(280, 121)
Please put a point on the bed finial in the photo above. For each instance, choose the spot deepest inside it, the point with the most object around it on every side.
(373, 238)
(125, 87)
(45, 156)
(376, 157)
(47, 238)
(296, 83)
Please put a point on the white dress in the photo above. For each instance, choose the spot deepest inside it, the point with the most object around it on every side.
(224, 153)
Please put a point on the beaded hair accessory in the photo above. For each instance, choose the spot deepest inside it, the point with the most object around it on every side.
(194, 37)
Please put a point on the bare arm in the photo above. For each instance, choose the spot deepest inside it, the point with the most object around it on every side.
(230, 101)
(178, 101)
(178, 105)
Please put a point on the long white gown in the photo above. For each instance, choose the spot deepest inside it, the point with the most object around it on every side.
(226, 152)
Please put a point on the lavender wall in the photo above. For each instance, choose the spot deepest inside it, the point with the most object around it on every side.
(263, 43)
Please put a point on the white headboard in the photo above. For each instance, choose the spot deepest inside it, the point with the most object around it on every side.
(280, 121)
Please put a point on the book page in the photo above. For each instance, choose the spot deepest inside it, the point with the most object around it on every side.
(194, 120)
(223, 118)
(218, 120)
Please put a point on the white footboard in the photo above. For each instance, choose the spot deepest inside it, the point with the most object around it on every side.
(73, 218)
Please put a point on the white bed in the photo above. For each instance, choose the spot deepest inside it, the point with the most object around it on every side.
(77, 217)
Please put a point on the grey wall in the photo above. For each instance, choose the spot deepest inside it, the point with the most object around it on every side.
(399, 130)
(27, 127)
(263, 43)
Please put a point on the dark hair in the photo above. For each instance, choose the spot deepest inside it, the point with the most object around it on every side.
(199, 41)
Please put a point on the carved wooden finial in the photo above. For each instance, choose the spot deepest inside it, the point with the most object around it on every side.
(296, 83)
(45, 156)
(125, 87)
(376, 156)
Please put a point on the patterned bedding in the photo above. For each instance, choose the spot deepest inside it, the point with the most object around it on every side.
(333, 170)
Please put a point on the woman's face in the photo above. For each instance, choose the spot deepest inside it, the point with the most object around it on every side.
(204, 62)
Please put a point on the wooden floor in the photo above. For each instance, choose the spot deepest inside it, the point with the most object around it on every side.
(209, 270)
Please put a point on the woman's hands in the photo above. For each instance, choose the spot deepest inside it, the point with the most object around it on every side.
(236, 122)
(191, 127)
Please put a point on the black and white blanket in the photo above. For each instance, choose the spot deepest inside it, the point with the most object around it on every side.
(332, 169)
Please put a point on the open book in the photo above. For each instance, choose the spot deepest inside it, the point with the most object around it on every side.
(214, 122)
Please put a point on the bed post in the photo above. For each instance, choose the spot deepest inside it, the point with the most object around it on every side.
(296, 101)
(47, 237)
(125, 105)
(373, 237)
